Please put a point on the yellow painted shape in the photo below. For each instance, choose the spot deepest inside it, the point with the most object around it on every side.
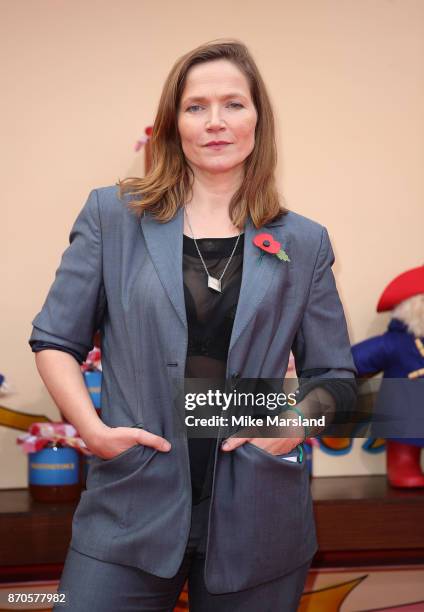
(328, 599)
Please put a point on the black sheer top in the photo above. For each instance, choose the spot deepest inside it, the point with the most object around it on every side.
(210, 318)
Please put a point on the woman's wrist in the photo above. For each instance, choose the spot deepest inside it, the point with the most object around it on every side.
(317, 405)
(94, 434)
(295, 430)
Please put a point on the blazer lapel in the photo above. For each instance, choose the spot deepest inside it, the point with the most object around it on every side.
(256, 276)
(165, 245)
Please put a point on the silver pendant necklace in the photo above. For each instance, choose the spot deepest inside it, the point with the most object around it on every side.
(213, 283)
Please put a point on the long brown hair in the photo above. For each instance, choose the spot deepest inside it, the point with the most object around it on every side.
(167, 186)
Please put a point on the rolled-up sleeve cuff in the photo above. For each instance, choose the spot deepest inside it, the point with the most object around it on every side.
(41, 339)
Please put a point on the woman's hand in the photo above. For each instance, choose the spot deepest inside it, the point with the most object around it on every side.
(268, 441)
(274, 446)
(108, 442)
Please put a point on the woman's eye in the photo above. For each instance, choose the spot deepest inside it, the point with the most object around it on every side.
(194, 107)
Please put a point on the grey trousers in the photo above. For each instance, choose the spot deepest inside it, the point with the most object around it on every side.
(92, 585)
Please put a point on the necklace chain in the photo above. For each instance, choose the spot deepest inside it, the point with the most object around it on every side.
(200, 255)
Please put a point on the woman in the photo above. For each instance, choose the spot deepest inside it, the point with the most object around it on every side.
(175, 280)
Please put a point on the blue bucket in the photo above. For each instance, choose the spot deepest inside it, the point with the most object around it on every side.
(93, 381)
(53, 466)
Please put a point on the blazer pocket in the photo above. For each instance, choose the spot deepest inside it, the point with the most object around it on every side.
(261, 519)
(120, 455)
(112, 487)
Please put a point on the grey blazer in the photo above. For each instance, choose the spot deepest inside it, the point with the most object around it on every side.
(124, 275)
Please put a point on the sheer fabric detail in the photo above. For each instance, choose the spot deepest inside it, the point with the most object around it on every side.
(210, 319)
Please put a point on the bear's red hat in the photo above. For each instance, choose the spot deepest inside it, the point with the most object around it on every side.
(401, 288)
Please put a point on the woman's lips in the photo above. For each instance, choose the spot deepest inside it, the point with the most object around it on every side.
(218, 147)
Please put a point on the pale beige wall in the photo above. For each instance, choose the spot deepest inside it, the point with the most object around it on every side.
(81, 79)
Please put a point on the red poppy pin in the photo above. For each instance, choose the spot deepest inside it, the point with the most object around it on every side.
(268, 244)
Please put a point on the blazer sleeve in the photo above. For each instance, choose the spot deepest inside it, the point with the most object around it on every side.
(76, 302)
(322, 340)
(321, 347)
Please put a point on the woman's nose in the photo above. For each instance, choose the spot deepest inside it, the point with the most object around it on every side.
(215, 119)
